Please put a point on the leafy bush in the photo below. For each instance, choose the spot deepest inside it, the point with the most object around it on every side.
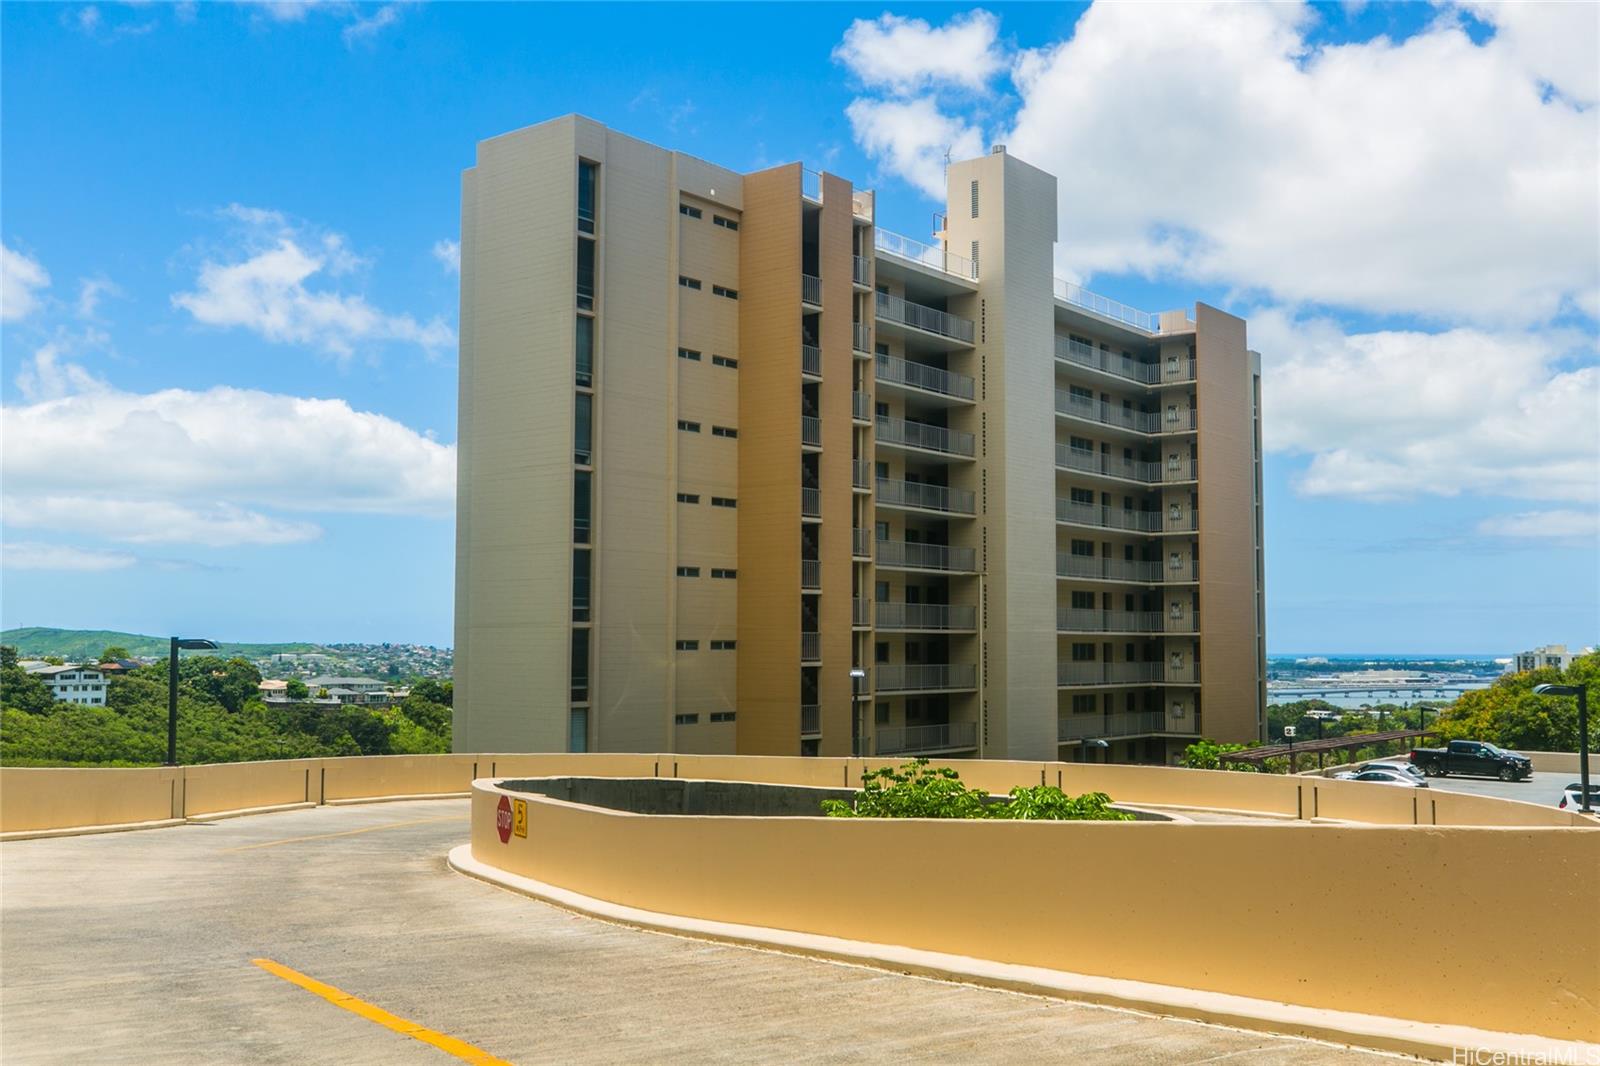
(917, 790)
(1207, 755)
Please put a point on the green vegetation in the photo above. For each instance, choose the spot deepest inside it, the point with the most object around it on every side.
(917, 790)
(1206, 754)
(1507, 713)
(82, 645)
(220, 719)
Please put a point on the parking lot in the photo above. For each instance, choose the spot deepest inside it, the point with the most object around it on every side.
(1543, 789)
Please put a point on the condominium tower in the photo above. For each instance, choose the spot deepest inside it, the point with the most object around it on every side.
(742, 472)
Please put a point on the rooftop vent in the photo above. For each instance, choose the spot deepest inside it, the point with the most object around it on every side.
(998, 149)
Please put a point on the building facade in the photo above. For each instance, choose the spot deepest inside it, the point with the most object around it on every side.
(1552, 656)
(742, 472)
(83, 684)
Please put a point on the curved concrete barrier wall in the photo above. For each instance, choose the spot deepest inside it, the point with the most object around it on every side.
(1102, 899)
(39, 799)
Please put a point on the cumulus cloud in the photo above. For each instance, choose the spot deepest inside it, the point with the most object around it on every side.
(1400, 414)
(21, 278)
(907, 55)
(365, 27)
(448, 253)
(911, 137)
(48, 376)
(91, 291)
(154, 521)
(31, 555)
(276, 284)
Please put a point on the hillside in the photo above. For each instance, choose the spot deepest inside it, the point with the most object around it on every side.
(75, 644)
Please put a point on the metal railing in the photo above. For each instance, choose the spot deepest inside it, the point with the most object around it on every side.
(810, 719)
(927, 255)
(1097, 673)
(920, 316)
(861, 543)
(1083, 620)
(861, 338)
(923, 436)
(810, 573)
(927, 677)
(811, 289)
(811, 431)
(1106, 307)
(926, 497)
(861, 406)
(1092, 462)
(1072, 351)
(811, 360)
(860, 612)
(1179, 420)
(811, 502)
(810, 647)
(1177, 371)
(1101, 568)
(894, 740)
(935, 616)
(860, 474)
(1089, 514)
(811, 185)
(899, 371)
(1188, 622)
(1125, 724)
(861, 270)
(899, 554)
(1183, 521)
(1106, 413)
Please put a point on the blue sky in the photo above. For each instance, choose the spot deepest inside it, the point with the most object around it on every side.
(214, 214)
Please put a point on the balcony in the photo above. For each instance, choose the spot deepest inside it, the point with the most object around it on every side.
(953, 736)
(861, 544)
(937, 677)
(926, 255)
(810, 431)
(923, 437)
(1078, 296)
(925, 617)
(1182, 522)
(1177, 371)
(1173, 471)
(810, 503)
(811, 360)
(861, 613)
(811, 574)
(896, 371)
(928, 319)
(1115, 363)
(1101, 726)
(861, 475)
(900, 555)
(861, 407)
(1087, 620)
(1103, 568)
(1106, 414)
(811, 289)
(1089, 514)
(810, 647)
(1073, 675)
(861, 271)
(810, 719)
(861, 338)
(923, 497)
(1179, 420)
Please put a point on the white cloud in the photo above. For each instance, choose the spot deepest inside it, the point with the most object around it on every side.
(47, 377)
(365, 27)
(910, 138)
(448, 253)
(154, 521)
(20, 279)
(89, 19)
(277, 289)
(1403, 414)
(30, 555)
(1581, 526)
(1213, 143)
(907, 55)
(90, 290)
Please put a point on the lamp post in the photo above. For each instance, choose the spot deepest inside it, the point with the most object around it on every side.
(857, 722)
(1582, 693)
(187, 644)
(1319, 717)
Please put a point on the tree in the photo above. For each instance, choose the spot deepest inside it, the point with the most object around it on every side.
(113, 652)
(296, 689)
(1206, 754)
(22, 691)
(917, 790)
(8, 656)
(1507, 713)
(434, 690)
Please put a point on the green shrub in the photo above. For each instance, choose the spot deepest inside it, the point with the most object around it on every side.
(917, 790)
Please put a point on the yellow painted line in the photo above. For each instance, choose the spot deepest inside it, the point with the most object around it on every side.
(346, 833)
(344, 1000)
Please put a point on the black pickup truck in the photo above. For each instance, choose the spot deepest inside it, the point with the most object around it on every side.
(1473, 757)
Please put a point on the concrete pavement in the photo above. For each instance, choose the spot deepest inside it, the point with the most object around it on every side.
(137, 947)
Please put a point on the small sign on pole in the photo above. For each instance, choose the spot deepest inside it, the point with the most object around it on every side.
(502, 819)
(519, 818)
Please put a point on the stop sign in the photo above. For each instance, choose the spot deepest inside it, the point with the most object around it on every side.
(502, 819)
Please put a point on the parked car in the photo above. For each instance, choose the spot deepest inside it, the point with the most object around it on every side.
(1380, 776)
(1572, 797)
(1474, 757)
(1394, 767)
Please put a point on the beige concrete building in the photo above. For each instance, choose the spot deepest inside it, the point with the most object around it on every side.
(742, 472)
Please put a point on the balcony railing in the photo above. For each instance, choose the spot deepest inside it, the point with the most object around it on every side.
(810, 573)
(860, 612)
(1091, 462)
(1177, 371)
(920, 316)
(899, 371)
(1116, 363)
(1106, 413)
(861, 406)
(929, 616)
(1105, 307)
(811, 185)
(811, 289)
(861, 543)
(897, 554)
(1182, 522)
(1179, 420)
(924, 254)
(1089, 514)
(861, 338)
(810, 719)
(1126, 724)
(811, 502)
(1079, 674)
(811, 360)
(895, 740)
(810, 647)
(927, 677)
(1102, 568)
(1083, 620)
(925, 497)
(811, 431)
(926, 437)
(861, 271)
(860, 474)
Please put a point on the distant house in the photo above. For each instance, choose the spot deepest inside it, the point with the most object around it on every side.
(270, 689)
(82, 683)
(359, 691)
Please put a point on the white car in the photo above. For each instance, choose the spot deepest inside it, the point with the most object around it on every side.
(1380, 776)
(1572, 797)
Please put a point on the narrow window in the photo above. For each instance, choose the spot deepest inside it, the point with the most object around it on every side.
(689, 354)
(725, 573)
(578, 729)
(583, 429)
(724, 501)
(588, 186)
(580, 666)
(974, 199)
(685, 719)
(688, 645)
(688, 571)
(722, 716)
(974, 258)
(688, 497)
(722, 360)
(720, 290)
(585, 274)
(580, 584)
(724, 431)
(685, 209)
(725, 223)
(582, 483)
(688, 427)
(688, 283)
(585, 353)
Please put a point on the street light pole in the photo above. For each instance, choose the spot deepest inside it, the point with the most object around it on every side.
(857, 719)
(187, 643)
(1582, 693)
